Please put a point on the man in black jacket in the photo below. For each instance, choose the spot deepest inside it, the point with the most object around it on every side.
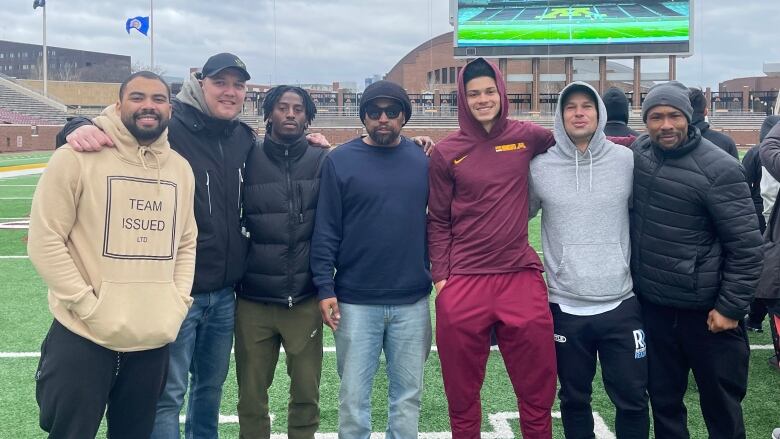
(696, 258)
(616, 102)
(206, 131)
(757, 180)
(700, 111)
(768, 291)
(277, 302)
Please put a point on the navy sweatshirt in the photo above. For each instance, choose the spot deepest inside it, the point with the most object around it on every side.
(371, 226)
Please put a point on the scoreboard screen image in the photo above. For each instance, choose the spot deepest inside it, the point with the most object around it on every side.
(560, 28)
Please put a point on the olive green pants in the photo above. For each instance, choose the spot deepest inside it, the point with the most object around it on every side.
(260, 330)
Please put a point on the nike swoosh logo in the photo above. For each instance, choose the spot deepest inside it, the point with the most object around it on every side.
(457, 161)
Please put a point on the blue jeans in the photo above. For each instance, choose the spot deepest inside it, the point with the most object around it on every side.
(200, 353)
(404, 333)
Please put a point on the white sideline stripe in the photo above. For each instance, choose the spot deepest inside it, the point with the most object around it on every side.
(330, 350)
(21, 173)
(15, 257)
(499, 423)
(16, 198)
(17, 185)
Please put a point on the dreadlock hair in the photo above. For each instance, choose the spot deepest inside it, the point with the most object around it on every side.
(273, 96)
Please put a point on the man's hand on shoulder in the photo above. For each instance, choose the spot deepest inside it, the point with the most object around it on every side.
(318, 139)
(439, 286)
(88, 138)
(426, 142)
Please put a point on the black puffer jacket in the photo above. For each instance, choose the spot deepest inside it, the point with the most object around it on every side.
(694, 234)
(216, 150)
(280, 199)
(717, 138)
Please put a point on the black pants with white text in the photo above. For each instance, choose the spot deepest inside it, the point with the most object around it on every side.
(617, 337)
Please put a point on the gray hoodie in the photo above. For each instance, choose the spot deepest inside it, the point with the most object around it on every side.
(584, 200)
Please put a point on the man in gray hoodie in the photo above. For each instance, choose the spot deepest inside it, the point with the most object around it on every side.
(583, 186)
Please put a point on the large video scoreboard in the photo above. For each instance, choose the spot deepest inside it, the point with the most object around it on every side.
(555, 28)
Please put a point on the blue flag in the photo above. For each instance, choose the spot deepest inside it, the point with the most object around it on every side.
(141, 24)
(39, 4)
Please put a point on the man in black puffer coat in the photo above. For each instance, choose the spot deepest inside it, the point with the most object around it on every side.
(696, 258)
(277, 302)
(769, 286)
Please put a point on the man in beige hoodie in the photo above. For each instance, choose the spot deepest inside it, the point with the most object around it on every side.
(113, 235)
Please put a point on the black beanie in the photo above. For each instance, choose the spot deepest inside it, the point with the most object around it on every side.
(698, 103)
(767, 126)
(617, 104)
(389, 90)
(673, 94)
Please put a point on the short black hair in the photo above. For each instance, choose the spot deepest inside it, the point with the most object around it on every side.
(273, 96)
(698, 100)
(476, 69)
(143, 74)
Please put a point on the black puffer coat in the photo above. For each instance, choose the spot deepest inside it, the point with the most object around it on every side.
(280, 199)
(694, 233)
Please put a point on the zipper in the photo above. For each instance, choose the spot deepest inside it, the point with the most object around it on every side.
(300, 201)
(118, 358)
(289, 302)
(290, 216)
(240, 183)
(208, 189)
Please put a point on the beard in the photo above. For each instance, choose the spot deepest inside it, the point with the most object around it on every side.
(144, 134)
(384, 139)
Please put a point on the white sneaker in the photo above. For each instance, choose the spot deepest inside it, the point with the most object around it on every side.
(776, 433)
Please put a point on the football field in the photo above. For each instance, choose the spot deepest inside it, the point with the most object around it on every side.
(25, 319)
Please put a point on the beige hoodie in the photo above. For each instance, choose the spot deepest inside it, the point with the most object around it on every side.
(113, 235)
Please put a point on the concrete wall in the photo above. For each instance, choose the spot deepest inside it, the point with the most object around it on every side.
(88, 94)
(11, 136)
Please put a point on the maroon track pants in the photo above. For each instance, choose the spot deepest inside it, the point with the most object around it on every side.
(516, 305)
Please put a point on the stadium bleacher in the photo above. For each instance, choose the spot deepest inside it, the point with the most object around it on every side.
(21, 106)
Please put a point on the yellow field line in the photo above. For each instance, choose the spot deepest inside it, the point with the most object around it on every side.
(22, 167)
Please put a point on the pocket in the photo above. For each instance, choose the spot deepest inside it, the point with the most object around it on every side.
(137, 315)
(593, 270)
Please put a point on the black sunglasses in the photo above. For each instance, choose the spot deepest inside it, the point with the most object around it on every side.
(374, 113)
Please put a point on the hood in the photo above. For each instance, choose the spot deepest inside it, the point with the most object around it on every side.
(768, 124)
(599, 139)
(616, 103)
(566, 147)
(192, 94)
(467, 122)
(127, 147)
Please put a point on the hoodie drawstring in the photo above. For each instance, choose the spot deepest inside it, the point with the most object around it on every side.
(577, 169)
(142, 150)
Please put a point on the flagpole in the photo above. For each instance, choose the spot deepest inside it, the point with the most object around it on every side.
(45, 58)
(151, 26)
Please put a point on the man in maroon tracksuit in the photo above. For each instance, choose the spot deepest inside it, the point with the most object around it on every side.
(478, 244)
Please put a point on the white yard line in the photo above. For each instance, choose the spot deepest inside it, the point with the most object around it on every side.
(17, 185)
(325, 349)
(16, 198)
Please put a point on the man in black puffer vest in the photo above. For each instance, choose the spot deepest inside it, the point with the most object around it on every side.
(277, 302)
(696, 258)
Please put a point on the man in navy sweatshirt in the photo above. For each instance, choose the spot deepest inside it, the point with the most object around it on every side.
(370, 229)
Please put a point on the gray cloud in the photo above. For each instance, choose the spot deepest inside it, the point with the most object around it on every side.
(317, 41)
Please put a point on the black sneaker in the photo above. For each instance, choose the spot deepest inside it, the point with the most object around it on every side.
(752, 327)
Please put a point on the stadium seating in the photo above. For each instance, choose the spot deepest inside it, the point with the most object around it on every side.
(23, 106)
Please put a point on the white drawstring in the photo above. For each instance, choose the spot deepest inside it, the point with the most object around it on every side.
(577, 169)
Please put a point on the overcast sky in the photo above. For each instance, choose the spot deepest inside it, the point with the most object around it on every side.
(320, 41)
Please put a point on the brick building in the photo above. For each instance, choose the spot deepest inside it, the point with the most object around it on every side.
(25, 61)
